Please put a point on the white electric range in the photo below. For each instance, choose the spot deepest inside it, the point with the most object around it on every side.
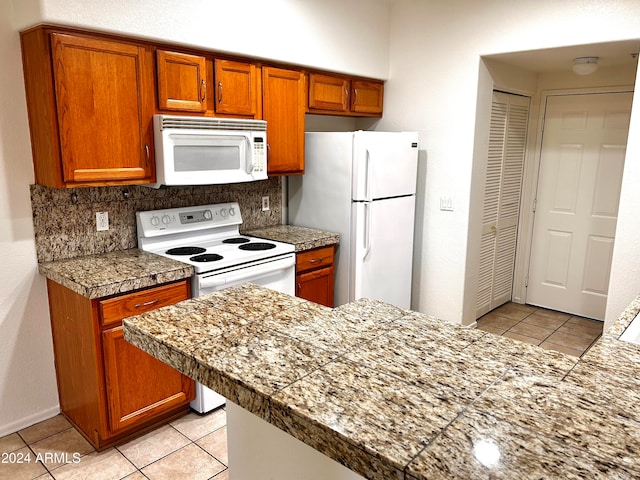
(208, 238)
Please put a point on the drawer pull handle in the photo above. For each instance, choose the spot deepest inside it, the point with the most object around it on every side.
(146, 304)
(316, 260)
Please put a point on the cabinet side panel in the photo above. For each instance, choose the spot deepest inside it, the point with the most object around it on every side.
(41, 107)
(76, 358)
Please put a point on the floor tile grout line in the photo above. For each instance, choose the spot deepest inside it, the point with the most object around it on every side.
(50, 471)
(175, 451)
(191, 442)
(554, 330)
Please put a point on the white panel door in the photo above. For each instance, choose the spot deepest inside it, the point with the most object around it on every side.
(582, 159)
(382, 250)
(503, 182)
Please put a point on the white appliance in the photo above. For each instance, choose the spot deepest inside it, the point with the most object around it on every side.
(208, 151)
(362, 185)
(207, 237)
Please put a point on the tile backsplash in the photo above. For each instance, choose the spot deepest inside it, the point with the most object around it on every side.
(65, 219)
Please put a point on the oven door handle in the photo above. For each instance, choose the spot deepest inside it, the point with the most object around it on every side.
(223, 279)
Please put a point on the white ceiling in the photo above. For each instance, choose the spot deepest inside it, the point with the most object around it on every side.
(610, 54)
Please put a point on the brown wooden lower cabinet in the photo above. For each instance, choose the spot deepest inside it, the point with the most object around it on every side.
(315, 275)
(109, 389)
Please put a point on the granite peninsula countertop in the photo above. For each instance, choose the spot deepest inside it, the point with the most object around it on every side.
(392, 393)
(302, 237)
(96, 276)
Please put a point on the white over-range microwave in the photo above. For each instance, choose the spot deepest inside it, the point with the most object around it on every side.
(207, 151)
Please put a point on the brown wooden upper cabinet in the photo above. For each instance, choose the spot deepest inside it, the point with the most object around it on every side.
(237, 88)
(182, 81)
(336, 94)
(366, 96)
(284, 99)
(90, 103)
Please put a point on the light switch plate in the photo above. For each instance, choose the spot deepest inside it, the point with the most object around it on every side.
(446, 204)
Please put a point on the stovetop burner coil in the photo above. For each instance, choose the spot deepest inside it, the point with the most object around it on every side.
(257, 246)
(236, 240)
(207, 257)
(185, 250)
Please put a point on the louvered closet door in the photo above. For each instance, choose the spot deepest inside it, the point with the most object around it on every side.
(505, 161)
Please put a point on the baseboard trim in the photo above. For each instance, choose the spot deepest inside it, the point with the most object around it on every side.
(25, 422)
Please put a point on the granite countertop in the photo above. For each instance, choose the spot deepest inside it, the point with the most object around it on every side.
(302, 237)
(101, 275)
(391, 393)
(96, 276)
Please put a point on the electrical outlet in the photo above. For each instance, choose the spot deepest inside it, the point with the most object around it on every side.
(102, 221)
(265, 204)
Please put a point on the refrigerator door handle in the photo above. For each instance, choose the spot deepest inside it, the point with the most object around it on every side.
(367, 230)
(367, 177)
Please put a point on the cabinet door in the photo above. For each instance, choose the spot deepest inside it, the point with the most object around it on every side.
(182, 82)
(366, 97)
(139, 387)
(236, 87)
(316, 286)
(284, 101)
(328, 92)
(104, 110)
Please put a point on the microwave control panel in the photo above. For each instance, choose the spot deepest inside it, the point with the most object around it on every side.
(259, 154)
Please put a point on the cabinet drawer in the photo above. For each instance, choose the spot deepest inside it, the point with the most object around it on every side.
(317, 258)
(115, 309)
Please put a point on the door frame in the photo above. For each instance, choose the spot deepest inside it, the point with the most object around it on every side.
(530, 183)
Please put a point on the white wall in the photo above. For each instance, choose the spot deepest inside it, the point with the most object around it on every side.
(27, 378)
(341, 35)
(433, 87)
(625, 269)
(346, 35)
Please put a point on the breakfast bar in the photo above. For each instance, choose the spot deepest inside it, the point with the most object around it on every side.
(387, 393)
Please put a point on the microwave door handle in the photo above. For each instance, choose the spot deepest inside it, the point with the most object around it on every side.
(249, 155)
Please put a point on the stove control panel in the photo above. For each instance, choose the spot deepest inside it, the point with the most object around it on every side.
(185, 219)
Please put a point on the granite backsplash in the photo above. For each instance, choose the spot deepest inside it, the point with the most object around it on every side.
(65, 219)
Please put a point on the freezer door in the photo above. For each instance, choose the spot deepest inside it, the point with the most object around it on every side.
(385, 164)
(382, 250)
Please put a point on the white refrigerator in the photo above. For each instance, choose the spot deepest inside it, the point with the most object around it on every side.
(362, 185)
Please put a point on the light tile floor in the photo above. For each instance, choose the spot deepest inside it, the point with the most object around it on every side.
(550, 329)
(192, 448)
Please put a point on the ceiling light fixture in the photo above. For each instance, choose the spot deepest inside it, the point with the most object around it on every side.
(585, 65)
